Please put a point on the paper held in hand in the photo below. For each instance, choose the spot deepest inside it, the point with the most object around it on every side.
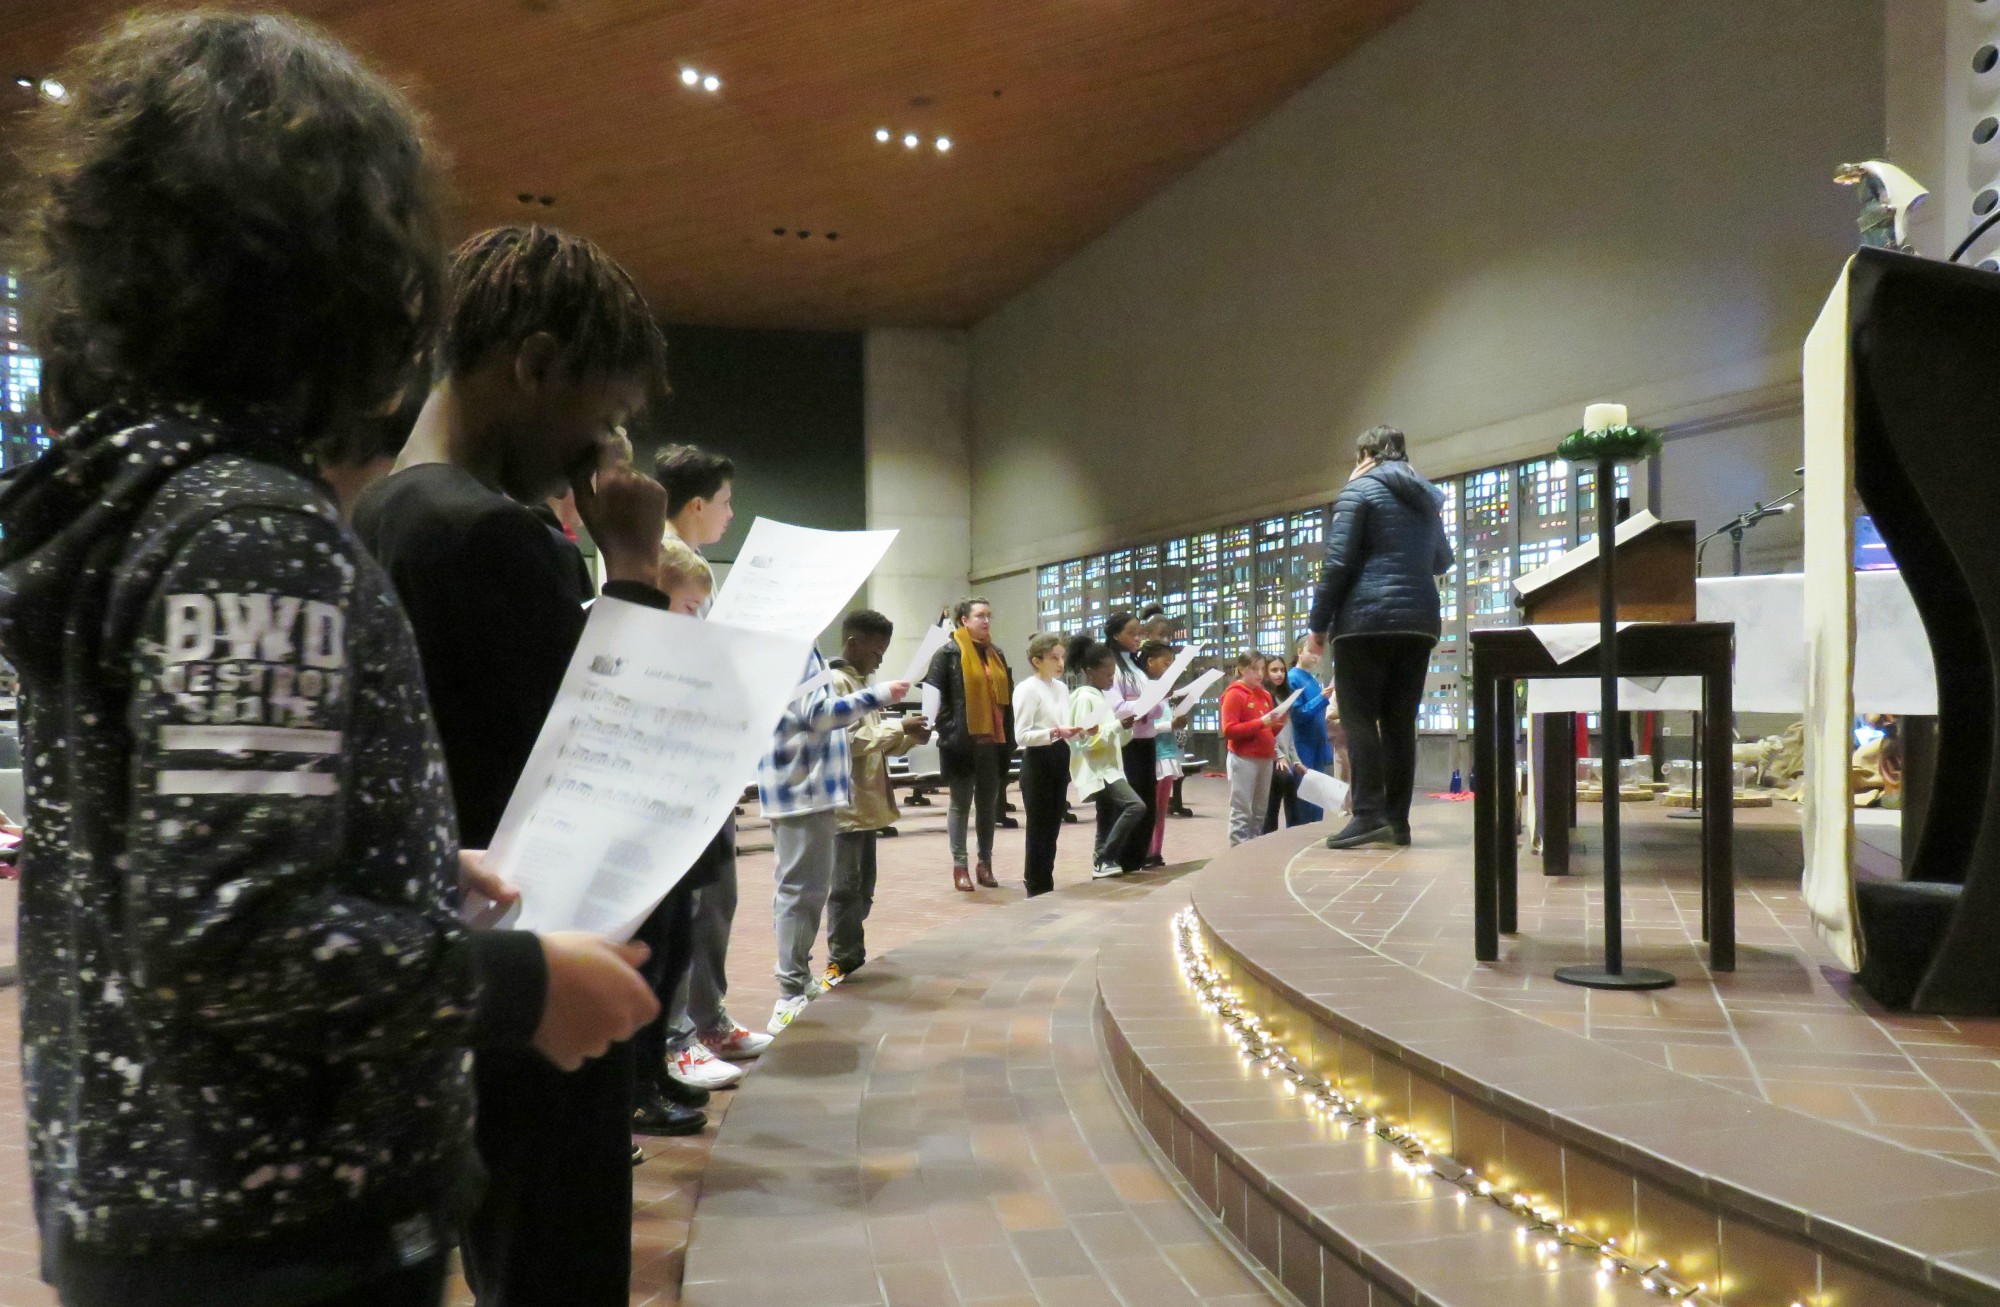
(1286, 705)
(1155, 691)
(1187, 696)
(656, 731)
(920, 661)
(792, 580)
(1323, 791)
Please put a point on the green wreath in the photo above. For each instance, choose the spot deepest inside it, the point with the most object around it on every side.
(1619, 444)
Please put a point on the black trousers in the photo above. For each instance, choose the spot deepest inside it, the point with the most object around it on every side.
(669, 933)
(1380, 683)
(1044, 797)
(849, 900)
(1284, 798)
(555, 1226)
(1142, 770)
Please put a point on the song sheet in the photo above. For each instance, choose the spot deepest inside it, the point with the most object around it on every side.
(1323, 791)
(1285, 705)
(656, 731)
(1195, 689)
(920, 662)
(930, 702)
(1156, 690)
(793, 580)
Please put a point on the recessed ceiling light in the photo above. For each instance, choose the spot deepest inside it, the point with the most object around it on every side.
(943, 143)
(910, 140)
(25, 82)
(711, 83)
(689, 77)
(54, 90)
(882, 134)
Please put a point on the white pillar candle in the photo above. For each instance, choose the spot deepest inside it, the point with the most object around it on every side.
(1602, 417)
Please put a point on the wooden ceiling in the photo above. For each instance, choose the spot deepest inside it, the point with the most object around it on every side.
(1064, 115)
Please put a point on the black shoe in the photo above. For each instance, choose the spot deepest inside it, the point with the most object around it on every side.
(1362, 831)
(1402, 836)
(675, 1091)
(1180, 812)
(1153, 863)
(659, 1117)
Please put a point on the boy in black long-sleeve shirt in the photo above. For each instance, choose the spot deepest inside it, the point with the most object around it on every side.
(547, 349)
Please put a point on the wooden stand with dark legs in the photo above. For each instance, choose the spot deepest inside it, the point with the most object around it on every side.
(1501, 658)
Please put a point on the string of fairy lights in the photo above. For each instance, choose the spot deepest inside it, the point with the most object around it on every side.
(1411, 1152)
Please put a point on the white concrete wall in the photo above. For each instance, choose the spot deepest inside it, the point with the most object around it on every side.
(1490, 215)
(918, 476)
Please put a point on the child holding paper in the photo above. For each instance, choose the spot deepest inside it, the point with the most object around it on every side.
(802, 784)
(872, 741)
(1041, 719)
(1249, 722)
(1097, 762)
(1155, 657)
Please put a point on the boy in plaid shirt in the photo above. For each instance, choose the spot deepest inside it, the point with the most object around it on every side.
(802, 783)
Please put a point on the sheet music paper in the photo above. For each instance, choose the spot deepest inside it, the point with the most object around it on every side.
(1323, 791)
(793, 580)
(1156, 691)
(656, 731)
(1187, 695)
(1289, 700)
(920, 661)
(930, 701)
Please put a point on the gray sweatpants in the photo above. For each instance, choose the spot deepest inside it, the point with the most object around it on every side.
(804, 848)
(1249, 795)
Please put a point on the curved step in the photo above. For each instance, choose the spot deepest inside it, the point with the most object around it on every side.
(1755, 1203)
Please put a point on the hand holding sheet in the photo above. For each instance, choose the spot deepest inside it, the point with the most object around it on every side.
(1190, 694)
(659, 725)
(920, 662)
(1154, 692)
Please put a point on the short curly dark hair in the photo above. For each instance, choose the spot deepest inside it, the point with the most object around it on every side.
(228, 209)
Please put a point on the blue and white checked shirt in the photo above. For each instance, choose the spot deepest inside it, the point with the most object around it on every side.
(809, 768)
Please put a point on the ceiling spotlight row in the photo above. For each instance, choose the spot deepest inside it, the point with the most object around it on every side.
(911, 140)
(692, 77)
(48, 87)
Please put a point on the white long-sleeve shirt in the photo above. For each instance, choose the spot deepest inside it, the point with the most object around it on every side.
(1040, 705)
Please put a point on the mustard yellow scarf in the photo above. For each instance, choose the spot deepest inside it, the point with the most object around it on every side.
(986, 684)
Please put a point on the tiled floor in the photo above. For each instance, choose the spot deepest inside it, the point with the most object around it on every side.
(1788, 1026)
(941, 1131)
(914, 896)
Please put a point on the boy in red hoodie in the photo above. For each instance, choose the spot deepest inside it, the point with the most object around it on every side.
(1249, 719)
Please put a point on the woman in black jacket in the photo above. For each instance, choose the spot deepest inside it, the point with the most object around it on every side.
(1378, 603)
(974, 731)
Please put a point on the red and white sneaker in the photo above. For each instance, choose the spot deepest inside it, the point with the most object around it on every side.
(693, 1064)
(732, 1043)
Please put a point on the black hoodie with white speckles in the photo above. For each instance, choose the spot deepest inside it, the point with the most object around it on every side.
(247, 1004)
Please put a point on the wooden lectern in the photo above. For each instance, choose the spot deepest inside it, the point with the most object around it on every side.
(1656, 567)
(1656, 573)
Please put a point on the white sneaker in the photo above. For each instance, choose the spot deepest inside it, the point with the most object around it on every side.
(1106, 870)
(782, 1014)
(693, 1064)
(732, 1043)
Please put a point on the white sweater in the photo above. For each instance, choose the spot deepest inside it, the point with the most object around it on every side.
(1039, 707)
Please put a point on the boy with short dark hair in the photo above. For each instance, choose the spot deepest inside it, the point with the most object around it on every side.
(871, 742)
(548, 348)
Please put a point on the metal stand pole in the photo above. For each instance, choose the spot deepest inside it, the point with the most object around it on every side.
(1613, 974)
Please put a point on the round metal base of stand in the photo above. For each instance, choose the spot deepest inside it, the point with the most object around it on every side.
(1629, 978)
(1684, 814)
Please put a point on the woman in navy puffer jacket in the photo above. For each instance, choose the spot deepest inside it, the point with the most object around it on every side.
(1378, 603)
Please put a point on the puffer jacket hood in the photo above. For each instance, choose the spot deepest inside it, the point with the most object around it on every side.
(1385, 549)
(1413, 491)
